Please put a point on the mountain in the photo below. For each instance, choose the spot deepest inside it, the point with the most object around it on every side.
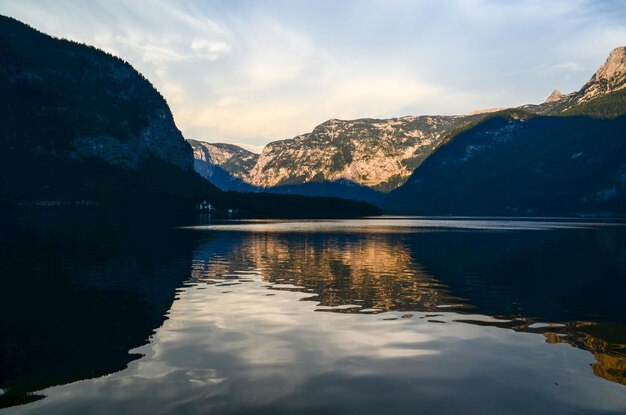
(555, 96)
(225, 165)
(570, 161)
(228, 167)
(611, 105)
(610, 77)
(532, 165)
(89, 103)
(356, 159)
(380, 154)
(80, 126)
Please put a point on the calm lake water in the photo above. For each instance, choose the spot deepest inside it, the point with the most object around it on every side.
(385, 315)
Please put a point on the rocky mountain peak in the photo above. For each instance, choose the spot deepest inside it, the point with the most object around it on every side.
(611, 76)
(614, 69)
(555, 96)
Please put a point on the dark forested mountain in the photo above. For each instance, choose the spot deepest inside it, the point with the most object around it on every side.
(81, 125)
(75, 101)
(610, 105)
(529, 165)
(78, 123)
(339, 188)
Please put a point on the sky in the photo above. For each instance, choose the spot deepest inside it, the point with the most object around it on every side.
(251, 72)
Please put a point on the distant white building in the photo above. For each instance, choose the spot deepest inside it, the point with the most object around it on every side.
(206, 207)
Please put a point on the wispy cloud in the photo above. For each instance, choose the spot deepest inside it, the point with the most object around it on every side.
(559, 68)
(254, 71)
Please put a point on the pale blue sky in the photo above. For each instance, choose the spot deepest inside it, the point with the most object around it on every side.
(256, 71)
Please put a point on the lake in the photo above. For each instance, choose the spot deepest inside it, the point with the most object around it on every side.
(382, 315)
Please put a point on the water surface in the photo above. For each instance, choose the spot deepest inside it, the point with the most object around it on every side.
(402, 315)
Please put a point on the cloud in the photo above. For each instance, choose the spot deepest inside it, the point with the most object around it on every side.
(162, 50)
(546, 70)
(210, 49)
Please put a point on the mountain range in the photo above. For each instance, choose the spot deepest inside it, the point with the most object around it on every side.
(385, 161)
(367, 153)
(81, 125)
(565, 157)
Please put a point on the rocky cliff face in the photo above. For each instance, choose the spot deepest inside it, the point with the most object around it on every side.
(380, 154)
(225, 165)
(610, 77)
(160, 139)
(231, 158)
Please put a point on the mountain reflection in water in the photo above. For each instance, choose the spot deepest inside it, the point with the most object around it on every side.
(573, 278)
(223, 317)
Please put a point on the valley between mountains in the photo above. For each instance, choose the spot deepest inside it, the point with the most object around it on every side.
(558, 145)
